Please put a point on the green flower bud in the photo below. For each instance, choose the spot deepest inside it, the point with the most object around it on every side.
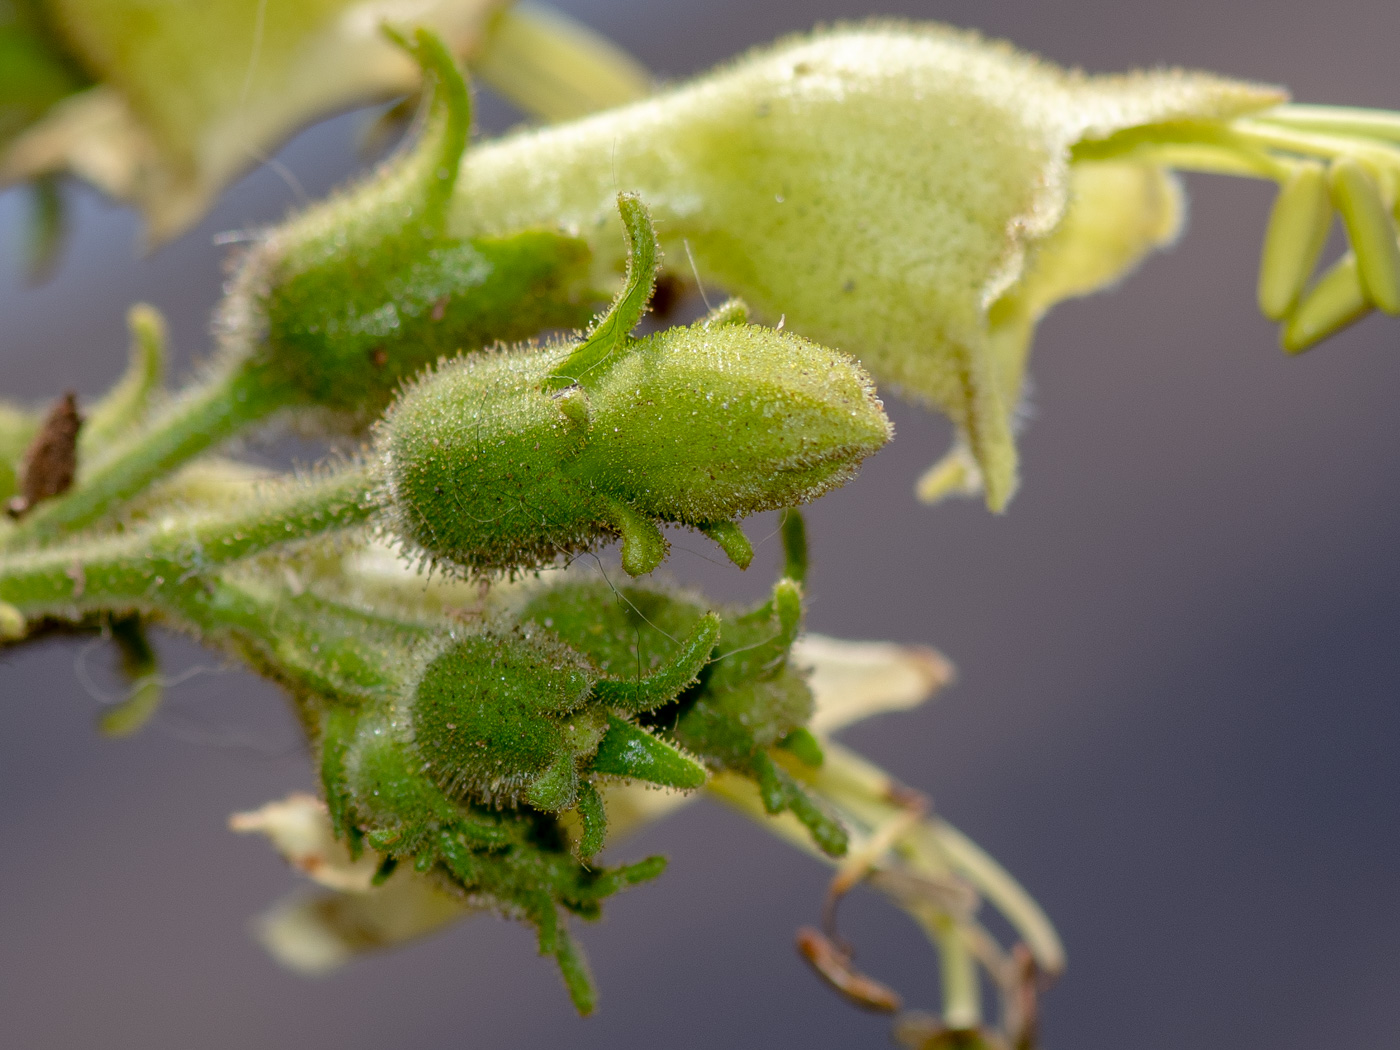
(508, 461)
(748, 701)
(335, 309)
(516, 859)
(455, 750)
(353, 297)
(522, 717)
(490, 715)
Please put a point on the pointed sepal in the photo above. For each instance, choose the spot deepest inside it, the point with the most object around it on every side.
(628, 751)
(667, 682)
(607, 339)
(731, 540)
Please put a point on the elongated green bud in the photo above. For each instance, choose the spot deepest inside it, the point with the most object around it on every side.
(522, 717)
(509, 461)
(486, 470)
(1336, 301)
(1295, 237)
(1371, 229)
(359, 294)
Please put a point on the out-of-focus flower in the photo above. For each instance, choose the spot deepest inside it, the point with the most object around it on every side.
(162, 105)
(300, 830)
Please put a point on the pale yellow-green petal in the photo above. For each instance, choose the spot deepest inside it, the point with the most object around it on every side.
(315, 933)
(880, 187)
(194, 92)
(299, 828)
(1118, 212)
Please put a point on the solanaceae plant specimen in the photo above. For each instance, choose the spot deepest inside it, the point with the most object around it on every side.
(902, 199)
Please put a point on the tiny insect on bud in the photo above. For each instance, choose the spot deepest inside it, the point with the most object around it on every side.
(508, 461)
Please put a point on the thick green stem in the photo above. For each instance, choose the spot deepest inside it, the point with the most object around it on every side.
(199, 420)
(144, 569)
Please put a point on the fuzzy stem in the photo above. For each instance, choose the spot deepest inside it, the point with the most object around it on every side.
(204, 417)
(141, 570)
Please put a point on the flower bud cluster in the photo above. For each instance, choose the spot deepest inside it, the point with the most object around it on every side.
(456, 749)
(748, 700)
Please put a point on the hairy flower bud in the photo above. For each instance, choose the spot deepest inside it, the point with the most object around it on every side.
(342, 304)
(455, 750)
(508, 461)
(334, 309)
(749, 699)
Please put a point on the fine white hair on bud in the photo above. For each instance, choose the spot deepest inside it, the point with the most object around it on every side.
(508, 461)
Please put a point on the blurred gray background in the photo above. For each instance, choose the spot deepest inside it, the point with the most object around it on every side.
(1175, 721)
